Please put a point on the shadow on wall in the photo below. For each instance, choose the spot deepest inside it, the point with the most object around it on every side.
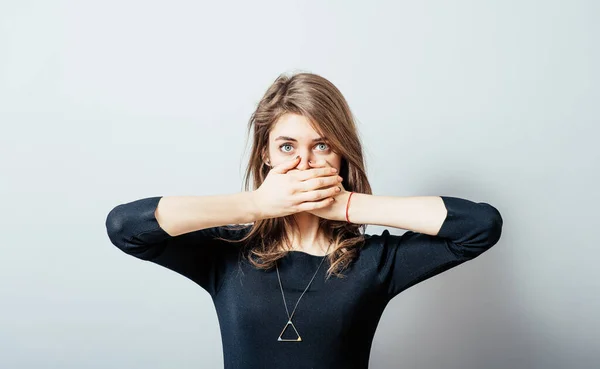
(470, 316)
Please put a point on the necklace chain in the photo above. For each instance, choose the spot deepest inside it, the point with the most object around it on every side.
(309, 283)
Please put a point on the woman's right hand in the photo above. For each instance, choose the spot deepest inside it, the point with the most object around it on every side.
(283, 193)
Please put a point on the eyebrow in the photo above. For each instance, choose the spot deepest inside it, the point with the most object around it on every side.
(286, 138)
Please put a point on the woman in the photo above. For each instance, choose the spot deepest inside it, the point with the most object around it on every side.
(259, 253)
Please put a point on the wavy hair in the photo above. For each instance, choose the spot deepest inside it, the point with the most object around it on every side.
(317, 99)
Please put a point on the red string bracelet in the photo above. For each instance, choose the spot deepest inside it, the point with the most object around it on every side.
(347, 205)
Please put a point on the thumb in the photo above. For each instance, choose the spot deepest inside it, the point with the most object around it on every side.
(286, 165)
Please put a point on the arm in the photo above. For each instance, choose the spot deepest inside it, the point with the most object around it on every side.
(459, 220)
(467, 230)
(193, 249)
(423, 214)
(182, 214)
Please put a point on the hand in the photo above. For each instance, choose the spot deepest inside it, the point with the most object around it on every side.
(337, 209)
(285, 191)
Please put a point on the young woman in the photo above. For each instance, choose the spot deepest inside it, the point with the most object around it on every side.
(295, 280)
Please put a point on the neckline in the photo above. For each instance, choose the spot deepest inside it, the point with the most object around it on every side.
(306, 253)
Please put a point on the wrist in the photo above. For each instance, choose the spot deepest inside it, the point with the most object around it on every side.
(347, 207)
(356, 206)
(253, 205)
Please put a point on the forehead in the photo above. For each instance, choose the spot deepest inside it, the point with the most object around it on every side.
(294, 125)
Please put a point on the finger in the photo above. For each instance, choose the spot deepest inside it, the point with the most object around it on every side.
(319, 163)
(312, 205)
(316, 195)
(303, 175)
(319, 182)
(286, 165)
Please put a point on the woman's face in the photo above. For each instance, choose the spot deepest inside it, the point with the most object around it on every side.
(292, 135)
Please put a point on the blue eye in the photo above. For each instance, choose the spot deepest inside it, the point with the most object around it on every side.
(290, 145)
(285, 145)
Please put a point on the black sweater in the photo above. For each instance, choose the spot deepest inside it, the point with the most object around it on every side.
(336, 318)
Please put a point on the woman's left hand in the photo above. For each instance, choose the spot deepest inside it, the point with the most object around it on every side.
(337, 209)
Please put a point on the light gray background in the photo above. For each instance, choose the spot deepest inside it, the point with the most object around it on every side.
(105, 102)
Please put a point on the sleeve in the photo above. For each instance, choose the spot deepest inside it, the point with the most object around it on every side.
(133, 228)
(468, 230)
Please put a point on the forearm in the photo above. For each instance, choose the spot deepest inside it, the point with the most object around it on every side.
(423, 214)
(182, 214)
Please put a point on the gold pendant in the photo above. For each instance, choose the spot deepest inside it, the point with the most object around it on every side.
(289, 340)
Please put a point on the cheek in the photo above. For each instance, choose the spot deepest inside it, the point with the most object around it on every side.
(274, 151)
(337, 161)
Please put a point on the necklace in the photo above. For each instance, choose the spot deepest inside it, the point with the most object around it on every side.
(289, 322)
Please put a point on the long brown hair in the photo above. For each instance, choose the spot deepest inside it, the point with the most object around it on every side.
(317, 99)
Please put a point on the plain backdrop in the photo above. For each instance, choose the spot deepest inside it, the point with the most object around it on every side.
(105, 102)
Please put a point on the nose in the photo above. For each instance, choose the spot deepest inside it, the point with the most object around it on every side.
(303, 164)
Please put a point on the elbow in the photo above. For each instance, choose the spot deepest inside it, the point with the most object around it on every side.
(493, 230)
(486, 235)
(114, 227)
(134, 232)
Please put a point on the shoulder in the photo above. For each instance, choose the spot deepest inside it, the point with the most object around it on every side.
(372, 254)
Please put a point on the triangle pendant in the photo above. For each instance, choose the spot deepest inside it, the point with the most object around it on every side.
(287, 339)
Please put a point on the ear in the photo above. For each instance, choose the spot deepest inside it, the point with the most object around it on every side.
(266, 160)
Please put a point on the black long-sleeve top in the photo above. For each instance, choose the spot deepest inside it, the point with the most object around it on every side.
(336, 318)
